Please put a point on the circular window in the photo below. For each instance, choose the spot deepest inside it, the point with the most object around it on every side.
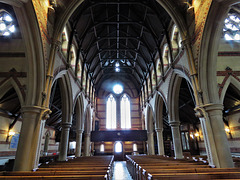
(118, 89)
(6, 23)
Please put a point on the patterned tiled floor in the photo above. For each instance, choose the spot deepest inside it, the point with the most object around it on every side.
(120, 171)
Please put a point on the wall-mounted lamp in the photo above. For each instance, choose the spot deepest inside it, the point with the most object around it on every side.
(227, 130)
(192, 135)
(53, 3)
(195, 135)
(9, 134)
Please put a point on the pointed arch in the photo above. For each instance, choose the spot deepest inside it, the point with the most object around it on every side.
(150, 118)
(34, 52)
(160, 101)
(79, 105)
(7, 85)
(230, 80)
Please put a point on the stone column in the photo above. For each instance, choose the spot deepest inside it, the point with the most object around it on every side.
(177, 143)
(64, 141)
(78, 143)
(160, 141)
(150, 144)
(87, 144)
(215, 137)
(29, 145)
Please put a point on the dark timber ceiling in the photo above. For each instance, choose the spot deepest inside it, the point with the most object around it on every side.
(125, 32)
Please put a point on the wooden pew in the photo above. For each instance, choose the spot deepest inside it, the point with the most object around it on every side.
(159, 167)
(79, 168)
(183, 176)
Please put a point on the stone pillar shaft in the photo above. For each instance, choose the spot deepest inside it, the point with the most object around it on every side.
(79, 143)
(150, 144)
(177, 143)
(160, 141)
(87, 144)
(215, 136)
(64, 141)
(28, 150)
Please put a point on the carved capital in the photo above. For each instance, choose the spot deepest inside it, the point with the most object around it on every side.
(57, 43)
(66, 125)
(174, 124)
(46, 114)
(160, 130)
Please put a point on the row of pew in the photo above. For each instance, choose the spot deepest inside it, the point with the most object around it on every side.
(147, 167)
(94, 167)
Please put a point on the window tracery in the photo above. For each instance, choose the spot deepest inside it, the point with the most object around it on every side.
(231, 28)
(7, 26)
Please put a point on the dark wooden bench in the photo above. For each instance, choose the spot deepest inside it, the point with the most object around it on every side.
(79, 168)
(159, 167)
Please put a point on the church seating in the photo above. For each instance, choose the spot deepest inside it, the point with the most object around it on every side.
(158, 167)
(95, 167)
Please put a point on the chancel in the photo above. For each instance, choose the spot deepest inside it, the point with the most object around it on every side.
(114, 89)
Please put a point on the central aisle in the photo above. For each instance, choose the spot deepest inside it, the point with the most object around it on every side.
(120, 171)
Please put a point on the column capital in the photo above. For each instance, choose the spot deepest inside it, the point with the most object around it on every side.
(66, 124)
(32, 109)
(185, 42)
(44, 112)
(174, 124)
(87, 134)
(79, 131)
(211, 107)
(159, 129)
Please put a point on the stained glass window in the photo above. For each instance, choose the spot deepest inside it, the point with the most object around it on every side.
(125, 112)
(111, 112)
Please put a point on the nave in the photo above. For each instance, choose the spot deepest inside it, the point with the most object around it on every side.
(100, 77)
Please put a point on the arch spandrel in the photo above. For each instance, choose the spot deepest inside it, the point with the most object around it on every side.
(209, 50)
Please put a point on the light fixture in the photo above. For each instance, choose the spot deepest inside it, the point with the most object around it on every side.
(53, 3)
(117, 89)
(196, 134)
(191, 135)
(10, 134)
(227, 129)
(117, 69)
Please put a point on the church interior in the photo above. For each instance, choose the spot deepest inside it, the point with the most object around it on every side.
(144, 82)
